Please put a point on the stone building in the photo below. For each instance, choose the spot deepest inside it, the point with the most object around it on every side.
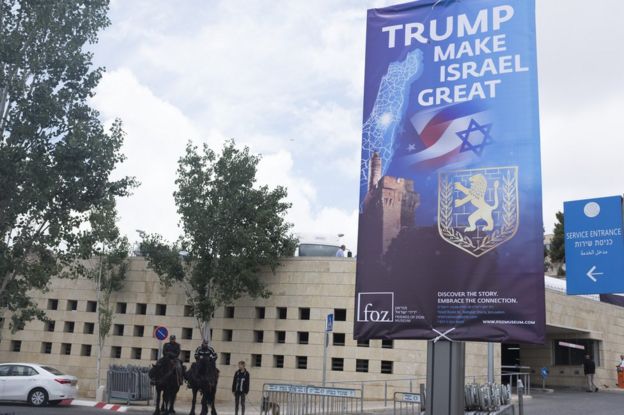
(281, 338)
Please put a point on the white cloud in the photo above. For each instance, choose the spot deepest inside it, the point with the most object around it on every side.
(581, 153)
(157, 133)
(276, 169)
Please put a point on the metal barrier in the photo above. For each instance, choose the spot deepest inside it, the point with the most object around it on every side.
(378, 389)
(309, 400)
(407, 403)
(512, 374)
(128, 383)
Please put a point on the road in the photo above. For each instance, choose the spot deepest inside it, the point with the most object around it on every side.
(14, 409)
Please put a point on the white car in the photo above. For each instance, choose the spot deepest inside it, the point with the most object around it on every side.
(36, 384)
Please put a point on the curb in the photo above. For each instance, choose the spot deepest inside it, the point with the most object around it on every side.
(95, 404)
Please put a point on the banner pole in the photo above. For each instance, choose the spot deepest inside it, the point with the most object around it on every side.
(490, 362)
(445, 377)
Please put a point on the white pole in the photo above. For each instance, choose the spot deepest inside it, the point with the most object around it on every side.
(99, 338)
(325, 358)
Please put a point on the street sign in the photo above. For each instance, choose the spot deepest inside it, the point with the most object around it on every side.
(161, 333)
(329, 323)
(594, 246)
(544, 372)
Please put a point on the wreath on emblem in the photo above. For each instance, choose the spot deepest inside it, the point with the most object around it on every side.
(508, 226)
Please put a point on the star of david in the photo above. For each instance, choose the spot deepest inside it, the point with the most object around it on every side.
(470, 141)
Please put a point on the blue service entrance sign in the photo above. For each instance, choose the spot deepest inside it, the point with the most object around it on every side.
(161, 333)
(594, 245)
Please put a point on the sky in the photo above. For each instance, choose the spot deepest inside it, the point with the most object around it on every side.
(285, 77)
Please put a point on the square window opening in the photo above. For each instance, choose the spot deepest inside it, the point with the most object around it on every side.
(46, 348)
(337, 364)
(256, 360)
(304, 313)
(136, 353)
(66, 348)
(303, 337)
(361, 365)
(161, 309)
(338, 339)
(187, 333)
(340, 314)
(85, 350)
(141, 309)
(302, 362)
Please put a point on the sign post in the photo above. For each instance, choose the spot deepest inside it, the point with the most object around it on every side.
(594, 245)
(544, 372)
(329, 327)
(160, 333)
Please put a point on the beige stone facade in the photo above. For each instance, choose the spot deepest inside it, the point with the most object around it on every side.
(281, 338)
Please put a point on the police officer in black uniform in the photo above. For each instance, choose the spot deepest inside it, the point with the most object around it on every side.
(171, 351)
(205, 351)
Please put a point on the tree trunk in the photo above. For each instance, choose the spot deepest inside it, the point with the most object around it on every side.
(205, 331)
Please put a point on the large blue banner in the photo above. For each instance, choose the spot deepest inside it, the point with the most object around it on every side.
(450, 230)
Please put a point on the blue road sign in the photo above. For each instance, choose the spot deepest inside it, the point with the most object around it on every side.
(329, 323)
(161, 332)
(594, 246)
(544, 372)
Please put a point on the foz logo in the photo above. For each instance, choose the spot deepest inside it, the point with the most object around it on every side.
(377, 307)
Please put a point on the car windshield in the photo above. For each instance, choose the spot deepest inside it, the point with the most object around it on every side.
(317, 250)
(52, 370)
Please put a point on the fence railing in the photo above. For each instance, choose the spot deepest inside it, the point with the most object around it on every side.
(309, 400)
(128, 383)
(407, 403)
(384, 389)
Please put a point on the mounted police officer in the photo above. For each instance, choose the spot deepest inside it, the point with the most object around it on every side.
(171, 351)
(205, 351)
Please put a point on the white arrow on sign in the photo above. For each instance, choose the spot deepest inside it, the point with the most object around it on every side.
(592, 275)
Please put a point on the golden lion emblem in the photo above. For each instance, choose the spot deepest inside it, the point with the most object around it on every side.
(478, 209)
(475, 194)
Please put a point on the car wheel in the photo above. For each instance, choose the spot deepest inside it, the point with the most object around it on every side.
(38, 397)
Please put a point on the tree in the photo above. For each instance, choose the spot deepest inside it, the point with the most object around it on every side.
(557, 245)
(232, 229)
(55, 156)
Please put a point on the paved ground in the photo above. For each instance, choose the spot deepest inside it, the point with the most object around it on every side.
(575, 402)
(561, 402)
(15, 409)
